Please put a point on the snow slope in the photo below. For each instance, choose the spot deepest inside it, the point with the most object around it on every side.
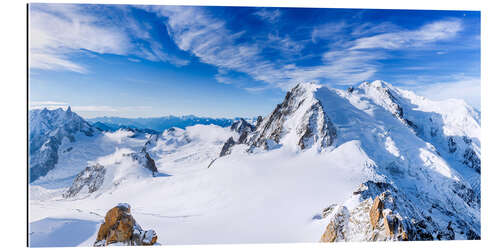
(312, 152)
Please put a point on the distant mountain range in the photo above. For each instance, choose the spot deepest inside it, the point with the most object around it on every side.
(157, 123)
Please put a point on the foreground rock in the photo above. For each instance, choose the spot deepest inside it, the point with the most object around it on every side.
(385, 214)
(120, 228)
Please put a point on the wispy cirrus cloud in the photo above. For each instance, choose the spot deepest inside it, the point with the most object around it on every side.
(270, 15)
(327, 31)
(346, 62)
(432, 32)
(458, 86)
(206, 37)
(60, 31)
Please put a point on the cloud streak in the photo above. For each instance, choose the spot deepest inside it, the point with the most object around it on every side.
(206, 37)
(194, 30)
(436, 31)
(268, 14)
(457, 87)
(60, 31)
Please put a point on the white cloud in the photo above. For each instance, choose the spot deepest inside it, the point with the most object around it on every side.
(133, 59)
(440, 30)
(458, 87)
(269, 15)
(206, 37)
(223, 79)
(92, 108)
(59, 31)
(371, 28)
(327, 31)
(47, 104)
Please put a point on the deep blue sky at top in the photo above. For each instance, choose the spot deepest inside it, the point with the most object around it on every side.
(131, 61)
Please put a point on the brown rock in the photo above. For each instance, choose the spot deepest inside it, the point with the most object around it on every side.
(404, 236)
(389, 222)
(330, 233)
(120, 226)
(376, 211)
(336, 228)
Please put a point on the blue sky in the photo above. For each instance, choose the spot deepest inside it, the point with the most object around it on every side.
(147, 61)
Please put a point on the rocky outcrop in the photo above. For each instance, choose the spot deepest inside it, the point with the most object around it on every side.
(241, 125)
(226, 149)
(384, 214)
(92, 177)
(243, 129)
(371, 220)
(145, 160)
(259, 121)
(120, 228)
(471, 160)
(335, 231)
(317, 128)
(376, 211)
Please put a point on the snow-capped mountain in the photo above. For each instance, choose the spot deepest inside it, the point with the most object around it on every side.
(47, 131)
(428, 151)
(374, 162)
(62, 144)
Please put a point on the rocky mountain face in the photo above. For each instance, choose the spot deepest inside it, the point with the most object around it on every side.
(300, 116)
(47, 130)
(243, 129)
(120, 228)
(91, 178)
(298, 121)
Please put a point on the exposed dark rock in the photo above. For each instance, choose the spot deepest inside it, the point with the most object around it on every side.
(91, 177)
(226, 149)
(466, 194)
(145, 160)
(472, 160)
(259, 121)
(243, 137)
(241, 126)
(452, 145)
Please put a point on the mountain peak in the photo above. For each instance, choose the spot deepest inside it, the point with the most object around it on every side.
(376, 84)
(68, 110)
(306, 86)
